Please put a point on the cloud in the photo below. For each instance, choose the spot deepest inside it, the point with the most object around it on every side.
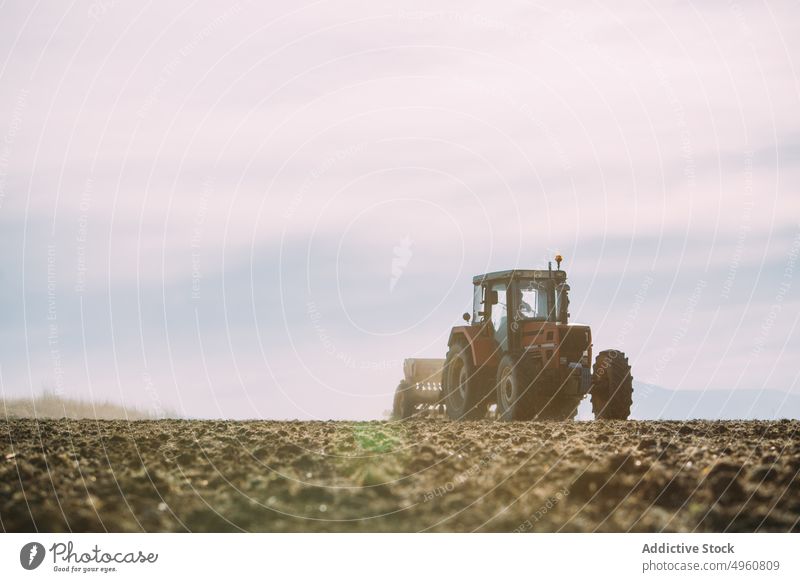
(225, 188)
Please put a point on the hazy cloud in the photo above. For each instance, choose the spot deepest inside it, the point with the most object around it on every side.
(201, 203)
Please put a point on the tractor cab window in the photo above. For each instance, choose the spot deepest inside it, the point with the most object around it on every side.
(499, 313)
(478, 310)
(533, 299)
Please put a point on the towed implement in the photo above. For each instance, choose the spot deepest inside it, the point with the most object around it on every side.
(518, 358)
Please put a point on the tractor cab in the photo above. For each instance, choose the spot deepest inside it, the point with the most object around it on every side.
(507, 302)
(527, 311)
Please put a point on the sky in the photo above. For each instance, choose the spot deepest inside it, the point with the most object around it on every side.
(229, 209)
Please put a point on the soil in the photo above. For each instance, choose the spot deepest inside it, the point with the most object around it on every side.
(427, 475)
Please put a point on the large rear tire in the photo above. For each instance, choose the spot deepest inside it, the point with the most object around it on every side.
(524, 392)
(612, 386)
(464, 387)
(516, 398)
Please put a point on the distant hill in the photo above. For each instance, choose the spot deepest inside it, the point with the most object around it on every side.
(653, 402)
(49, 405)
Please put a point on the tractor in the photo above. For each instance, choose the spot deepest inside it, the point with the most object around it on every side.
(517, 358)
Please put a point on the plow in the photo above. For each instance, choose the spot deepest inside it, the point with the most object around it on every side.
(420, 391)
(518, 357)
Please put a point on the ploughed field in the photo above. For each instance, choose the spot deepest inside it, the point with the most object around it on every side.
(426, 475)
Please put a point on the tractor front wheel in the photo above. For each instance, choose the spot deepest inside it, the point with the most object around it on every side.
(612, 386)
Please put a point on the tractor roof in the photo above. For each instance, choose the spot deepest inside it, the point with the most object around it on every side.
(520, 274)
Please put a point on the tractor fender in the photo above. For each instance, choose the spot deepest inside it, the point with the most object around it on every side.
(484, 349)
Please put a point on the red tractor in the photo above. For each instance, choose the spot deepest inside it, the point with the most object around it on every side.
(519, 357)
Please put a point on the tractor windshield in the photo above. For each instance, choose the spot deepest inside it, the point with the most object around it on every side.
(536, 300)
